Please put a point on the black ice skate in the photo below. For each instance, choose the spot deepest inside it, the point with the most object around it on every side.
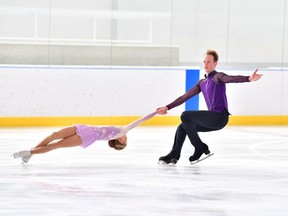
(168, 159)
(195, 158)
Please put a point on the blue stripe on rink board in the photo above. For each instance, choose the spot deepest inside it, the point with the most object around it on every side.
(192, 77)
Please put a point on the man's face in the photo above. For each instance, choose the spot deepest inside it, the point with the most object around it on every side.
(209, 63)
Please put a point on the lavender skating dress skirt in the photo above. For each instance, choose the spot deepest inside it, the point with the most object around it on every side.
(89, 134)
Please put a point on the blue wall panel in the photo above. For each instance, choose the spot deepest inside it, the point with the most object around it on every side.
(192, 77)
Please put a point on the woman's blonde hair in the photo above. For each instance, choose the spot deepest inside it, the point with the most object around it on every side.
(116, 144)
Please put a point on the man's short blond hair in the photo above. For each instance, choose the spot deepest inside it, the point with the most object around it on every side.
(213, 53)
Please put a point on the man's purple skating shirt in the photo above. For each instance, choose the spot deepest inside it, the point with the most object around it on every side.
(213, 88)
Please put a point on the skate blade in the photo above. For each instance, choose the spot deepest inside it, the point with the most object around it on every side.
(197, 161)
(26, 159)
(166, 164)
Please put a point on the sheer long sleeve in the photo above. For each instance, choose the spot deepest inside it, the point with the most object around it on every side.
(134, 124)
(222, 77)
(189, 94)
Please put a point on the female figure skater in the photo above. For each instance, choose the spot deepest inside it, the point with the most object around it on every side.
(82, 135)
(213, 87)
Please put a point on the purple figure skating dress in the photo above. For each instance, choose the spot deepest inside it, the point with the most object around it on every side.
(89, 134)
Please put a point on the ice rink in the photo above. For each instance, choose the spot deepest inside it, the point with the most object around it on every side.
(247, 175)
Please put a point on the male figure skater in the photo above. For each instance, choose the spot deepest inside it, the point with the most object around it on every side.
(213, 87)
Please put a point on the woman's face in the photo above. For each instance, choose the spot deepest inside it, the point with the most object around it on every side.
(123, 139)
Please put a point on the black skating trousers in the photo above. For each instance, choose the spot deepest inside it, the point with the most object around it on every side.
(194, 122)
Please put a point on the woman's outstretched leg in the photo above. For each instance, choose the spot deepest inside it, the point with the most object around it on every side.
(61, 134)
(67, 138)
(70, 141)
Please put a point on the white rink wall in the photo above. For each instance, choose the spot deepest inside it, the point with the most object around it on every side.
(83, 91)
(88, 91)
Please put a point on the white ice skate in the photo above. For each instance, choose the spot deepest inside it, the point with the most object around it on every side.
(22, 154)
(26, 158)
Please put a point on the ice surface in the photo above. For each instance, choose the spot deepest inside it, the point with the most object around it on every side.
(247, 175)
